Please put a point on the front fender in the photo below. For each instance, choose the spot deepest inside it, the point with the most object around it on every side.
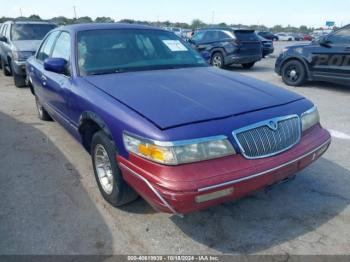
(91, 116)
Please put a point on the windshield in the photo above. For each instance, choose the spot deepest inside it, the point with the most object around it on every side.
(116, 51)
(30, 31)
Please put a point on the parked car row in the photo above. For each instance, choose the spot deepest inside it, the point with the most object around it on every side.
(19, 41)
(228, 46)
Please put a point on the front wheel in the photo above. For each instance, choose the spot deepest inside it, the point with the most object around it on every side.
(20, 81)
(248, 65)
(107, 173)
(294, 73)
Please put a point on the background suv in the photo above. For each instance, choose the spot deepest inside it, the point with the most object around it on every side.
(326, 59)
(228, 46)
(285, 37)
(268, 35)
(19, 41)
(267, 46)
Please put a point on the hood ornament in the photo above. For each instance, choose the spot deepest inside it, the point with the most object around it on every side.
(273, 125)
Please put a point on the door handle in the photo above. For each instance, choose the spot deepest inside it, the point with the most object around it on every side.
(44, 79)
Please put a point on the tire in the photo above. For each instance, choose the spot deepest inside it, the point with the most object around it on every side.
(19, 80)
(217, 60)
(42, 113)
(248, 65)
(108, 176)
(4, 70)
(294, 73)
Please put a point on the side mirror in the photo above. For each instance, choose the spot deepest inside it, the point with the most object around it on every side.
(323, 41)
(56, 65)
(3, 39)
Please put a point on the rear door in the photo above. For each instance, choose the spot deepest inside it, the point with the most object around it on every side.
(249, 43)
(332, 61)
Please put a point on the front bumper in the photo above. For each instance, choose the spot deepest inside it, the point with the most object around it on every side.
(240, 59)
(19, 67)
(268, 50)
(175, 189)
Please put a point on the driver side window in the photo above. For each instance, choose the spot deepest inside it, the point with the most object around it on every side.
(340, 37)
(45, 49)
(62, 49)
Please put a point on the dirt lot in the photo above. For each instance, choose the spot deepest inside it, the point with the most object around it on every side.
(50, 204)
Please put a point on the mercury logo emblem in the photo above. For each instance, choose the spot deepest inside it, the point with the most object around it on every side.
(273, 125)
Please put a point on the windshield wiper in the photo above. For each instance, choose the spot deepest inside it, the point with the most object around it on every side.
(107, 72)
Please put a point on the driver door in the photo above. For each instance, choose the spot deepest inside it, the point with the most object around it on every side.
(331, 61)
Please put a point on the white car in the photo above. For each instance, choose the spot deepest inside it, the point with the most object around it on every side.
(285, 37)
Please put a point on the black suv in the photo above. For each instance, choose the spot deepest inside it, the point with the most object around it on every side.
(228, 46)
(324, 59)
(268, 35)
(18, 41)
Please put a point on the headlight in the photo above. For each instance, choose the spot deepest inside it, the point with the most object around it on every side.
(181, 152)
(21, 56)
(310, 118)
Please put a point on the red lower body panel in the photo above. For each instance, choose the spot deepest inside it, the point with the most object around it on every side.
(175, 189)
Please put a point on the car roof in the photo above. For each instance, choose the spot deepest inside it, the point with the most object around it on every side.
(101, 26)
(29, 22)
(231, 29)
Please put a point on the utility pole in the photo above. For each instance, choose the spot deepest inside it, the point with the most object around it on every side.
(213, 17)
(20, 12)
(75, 12)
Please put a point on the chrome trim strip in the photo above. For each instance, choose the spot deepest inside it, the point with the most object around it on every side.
(311, 110)
(178, 142)
(153, 189)
(266, 171)
(261, 124)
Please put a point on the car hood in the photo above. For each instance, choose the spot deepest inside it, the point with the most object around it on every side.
(27, 45)
(302, 45)
(171, 98)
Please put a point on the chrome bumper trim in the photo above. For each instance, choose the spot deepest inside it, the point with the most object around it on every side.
(266, 171)
(153, 189)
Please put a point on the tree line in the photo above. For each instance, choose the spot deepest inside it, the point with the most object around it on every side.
(195, 24)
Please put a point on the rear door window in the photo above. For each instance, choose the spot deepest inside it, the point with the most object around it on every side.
(211, 36)
(247, 35)
(225, 35)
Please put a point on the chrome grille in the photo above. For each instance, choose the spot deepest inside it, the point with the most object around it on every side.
(269, 138)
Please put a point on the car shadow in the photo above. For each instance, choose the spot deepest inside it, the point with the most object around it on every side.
(328, 86)
(258, 68)
(266, 219)
(44, 208)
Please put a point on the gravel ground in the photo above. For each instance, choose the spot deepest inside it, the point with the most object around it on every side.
(50, 204)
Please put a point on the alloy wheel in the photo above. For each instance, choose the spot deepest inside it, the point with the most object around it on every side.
(217, 61)
(104, 169)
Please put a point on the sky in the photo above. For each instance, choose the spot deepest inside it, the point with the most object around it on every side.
(264, 12)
